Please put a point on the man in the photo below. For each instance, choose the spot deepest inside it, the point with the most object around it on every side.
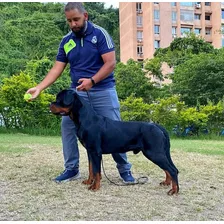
(89, 50)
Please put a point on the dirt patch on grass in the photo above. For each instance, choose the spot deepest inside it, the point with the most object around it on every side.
(27, 191)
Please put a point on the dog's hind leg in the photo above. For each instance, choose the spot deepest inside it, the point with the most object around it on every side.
(171, 173)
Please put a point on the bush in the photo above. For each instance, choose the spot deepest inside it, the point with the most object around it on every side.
(19, 114)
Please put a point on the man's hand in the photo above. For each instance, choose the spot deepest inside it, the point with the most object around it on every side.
(35, 92)
(85, 84)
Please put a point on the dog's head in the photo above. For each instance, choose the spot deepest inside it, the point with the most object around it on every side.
(64, 102)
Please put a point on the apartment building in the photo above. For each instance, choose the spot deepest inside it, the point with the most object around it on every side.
(146, 26)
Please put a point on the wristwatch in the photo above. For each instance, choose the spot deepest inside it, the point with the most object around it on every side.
(92, 80)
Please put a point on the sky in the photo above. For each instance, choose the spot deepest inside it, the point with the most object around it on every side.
(114, 3)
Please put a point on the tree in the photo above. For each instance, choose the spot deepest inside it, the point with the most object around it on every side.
(200, 79)
(131, 79)
(182, 49)
(154, 67)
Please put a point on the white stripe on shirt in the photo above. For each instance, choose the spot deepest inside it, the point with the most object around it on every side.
(106, 35)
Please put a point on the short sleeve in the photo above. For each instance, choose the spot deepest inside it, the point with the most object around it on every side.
(61, 55)
(105, 42)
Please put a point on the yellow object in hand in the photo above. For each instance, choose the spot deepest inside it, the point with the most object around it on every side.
(27, 96)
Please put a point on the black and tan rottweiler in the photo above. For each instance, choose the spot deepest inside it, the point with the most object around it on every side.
(101, 135)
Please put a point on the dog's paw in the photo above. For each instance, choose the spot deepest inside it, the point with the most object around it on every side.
(94, 187)
(165, 183)
(172, 192)
(88, 181)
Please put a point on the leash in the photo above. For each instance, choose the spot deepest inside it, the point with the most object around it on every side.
(90, 101)
(140, 180)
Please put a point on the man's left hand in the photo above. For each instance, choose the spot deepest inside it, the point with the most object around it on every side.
(85, 84)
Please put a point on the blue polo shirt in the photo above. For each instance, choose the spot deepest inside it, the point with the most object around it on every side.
(84, 54)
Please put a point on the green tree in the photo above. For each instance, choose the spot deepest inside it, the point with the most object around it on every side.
(200, 79)
(153, 66)
(182, 49)
(131, 79)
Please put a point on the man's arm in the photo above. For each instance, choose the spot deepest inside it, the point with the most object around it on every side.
(109, 65)
(52, 75)
(50, 78)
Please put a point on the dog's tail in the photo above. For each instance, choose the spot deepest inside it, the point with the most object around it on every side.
(167, 145)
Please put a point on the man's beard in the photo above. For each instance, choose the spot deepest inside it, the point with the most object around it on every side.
(81, 31)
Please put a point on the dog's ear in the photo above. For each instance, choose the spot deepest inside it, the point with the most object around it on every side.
(68, 97)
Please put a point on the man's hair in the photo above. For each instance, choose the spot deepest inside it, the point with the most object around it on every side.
(75, 5)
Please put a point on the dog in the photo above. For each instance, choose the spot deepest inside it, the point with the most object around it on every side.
(101, 135)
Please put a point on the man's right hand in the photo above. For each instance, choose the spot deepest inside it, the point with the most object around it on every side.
(35, 92)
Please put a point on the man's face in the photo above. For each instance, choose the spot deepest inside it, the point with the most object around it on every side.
(76, 19)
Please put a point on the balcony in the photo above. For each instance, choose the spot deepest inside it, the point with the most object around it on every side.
(140, 55)
(208, 38)
(208, 23)
(139, 11)
(140, 41)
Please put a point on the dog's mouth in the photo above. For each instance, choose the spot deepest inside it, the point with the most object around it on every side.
(58, 110)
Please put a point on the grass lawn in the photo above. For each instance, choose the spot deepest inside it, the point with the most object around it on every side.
(27, 192)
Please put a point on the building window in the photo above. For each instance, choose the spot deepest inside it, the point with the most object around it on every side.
(139, 50)
(174, 31)
(157, 44)
(139, 21)
(222, 14)
(185, 30)
(173, 4)
(156, 14)
(197, 31)
(207, 17)
(156, 3)
(139, 36)
(189, 4)
(222, 29)
(187, 15)
(197, 16)
(139, 7)
(208, 3)
(156, 29)
(174, 16)
(208, 31)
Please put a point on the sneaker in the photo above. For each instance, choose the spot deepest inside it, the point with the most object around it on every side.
(127, 177)
(67, 175)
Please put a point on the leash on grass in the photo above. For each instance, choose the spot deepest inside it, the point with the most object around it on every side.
(140, 180)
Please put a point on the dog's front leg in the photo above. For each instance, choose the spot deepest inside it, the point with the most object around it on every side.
(96, 168)
(90, 179)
